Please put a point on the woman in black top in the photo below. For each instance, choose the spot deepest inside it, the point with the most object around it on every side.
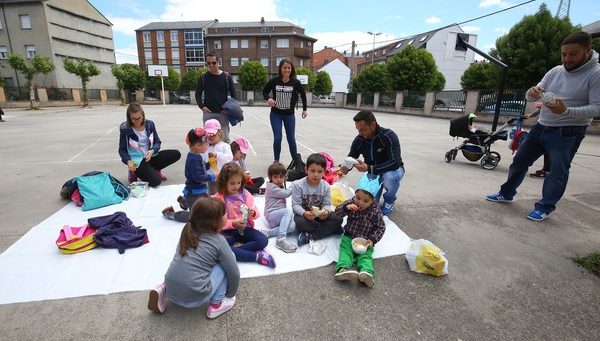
(281, 94)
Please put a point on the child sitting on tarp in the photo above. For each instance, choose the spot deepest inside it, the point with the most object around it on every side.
(239, 149)
(364, 221)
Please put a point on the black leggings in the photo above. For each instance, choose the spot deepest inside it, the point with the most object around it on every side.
(319, 229)
(253, 189)
(149, 171)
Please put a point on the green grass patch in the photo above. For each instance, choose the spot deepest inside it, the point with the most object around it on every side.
(590, 262)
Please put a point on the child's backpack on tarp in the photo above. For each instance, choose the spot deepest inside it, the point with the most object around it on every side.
(116, 231)
(97, 191)
(70, 189)
(76, 239)
(296, 169)
(331, 175)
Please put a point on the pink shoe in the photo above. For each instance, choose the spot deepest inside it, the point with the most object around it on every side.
(158, 299)
(226, 305)
(162, 176)
(264, 258)
(132, 177)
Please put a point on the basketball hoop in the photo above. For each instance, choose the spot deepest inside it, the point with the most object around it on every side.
(158, 73)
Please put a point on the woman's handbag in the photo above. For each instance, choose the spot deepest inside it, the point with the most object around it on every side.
(296, 169)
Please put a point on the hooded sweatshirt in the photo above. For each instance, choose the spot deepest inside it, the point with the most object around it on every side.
(579, 89)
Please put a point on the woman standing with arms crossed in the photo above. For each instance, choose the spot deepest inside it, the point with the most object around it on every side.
(281, 94)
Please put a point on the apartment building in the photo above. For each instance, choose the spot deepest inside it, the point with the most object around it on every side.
(56, 29)
(452, 60)
(185, 44)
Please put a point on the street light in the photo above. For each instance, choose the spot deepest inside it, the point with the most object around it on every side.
(373, 51)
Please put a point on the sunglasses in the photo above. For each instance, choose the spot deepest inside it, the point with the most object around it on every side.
(211, 63)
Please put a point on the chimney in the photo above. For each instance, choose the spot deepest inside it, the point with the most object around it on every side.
(262, 20)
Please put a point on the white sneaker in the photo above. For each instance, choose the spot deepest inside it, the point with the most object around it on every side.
(226, 305)
(366, 278)
(285, 246)
(158, 299)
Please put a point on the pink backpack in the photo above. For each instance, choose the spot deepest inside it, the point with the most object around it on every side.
(331, 174)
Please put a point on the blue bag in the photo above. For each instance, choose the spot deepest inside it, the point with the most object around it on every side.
(97, 191)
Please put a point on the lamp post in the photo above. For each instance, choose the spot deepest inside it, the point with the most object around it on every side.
(373, 51)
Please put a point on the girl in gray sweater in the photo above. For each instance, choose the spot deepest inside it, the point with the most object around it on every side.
(204, 269)
(279, 217)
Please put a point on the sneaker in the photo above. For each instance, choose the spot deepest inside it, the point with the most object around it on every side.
(344, 274)
(226, 305)
(387, 208)
(539, 174)
(537, 215)
(264, 258)
(162, 176)
(158, 299)
(169, 213)
(182, 203)
(285, 246)
(132, 177)
(366, 278)
(497, 197)
(303, 238)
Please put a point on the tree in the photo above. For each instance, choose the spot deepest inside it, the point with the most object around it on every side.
(439, 82)
(414, 70)
(253, 76)
(532, 47)
(596, 44)
(311, 77)
(189, 80)
(39, 64)
(171, 82)
(323, 85)
(129, 77)
(372, 78)
(480, 76)
(84, 70)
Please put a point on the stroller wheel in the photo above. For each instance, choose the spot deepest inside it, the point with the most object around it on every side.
(497, 155)
(448, 157)
(489, 162)
(454, 153)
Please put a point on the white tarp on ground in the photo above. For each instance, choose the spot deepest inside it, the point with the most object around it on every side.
(33, 269)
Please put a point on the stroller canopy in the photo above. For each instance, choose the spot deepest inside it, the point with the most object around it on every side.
(459, 127)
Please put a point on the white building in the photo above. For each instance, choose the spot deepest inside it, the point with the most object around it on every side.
(452, 60)
(339, 74)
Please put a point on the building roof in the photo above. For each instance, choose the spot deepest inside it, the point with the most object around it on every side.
(418, 40)
(592, 28)
(226, 24)
(174, 25)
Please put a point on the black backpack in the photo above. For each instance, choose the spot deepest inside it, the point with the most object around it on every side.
(296, 169)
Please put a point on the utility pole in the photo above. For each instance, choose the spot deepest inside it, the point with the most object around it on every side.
(352, 61)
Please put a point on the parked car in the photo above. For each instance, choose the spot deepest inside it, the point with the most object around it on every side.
(323, 99)
(174, 97)
(506, 108)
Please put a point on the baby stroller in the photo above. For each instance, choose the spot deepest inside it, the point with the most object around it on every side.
(477, 144)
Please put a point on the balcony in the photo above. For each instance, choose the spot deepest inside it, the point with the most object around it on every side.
(302, 52)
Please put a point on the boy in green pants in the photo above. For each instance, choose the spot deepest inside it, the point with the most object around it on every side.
(366, 221)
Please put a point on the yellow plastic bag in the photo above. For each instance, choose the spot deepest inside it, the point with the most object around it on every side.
(340, 192)
(424, 257)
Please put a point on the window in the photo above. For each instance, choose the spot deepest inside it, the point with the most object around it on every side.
(162, 54)
(3, 52)
(175, 54)
(30, 51)
(265, 29)
(264, 61)
(235, 78)
(301, 44)
(233, 44)
(283, 43)
(235, 62)
(424, 37)
(218, 45)
(174, 36)
(193, 37)
(308, 44)
(234, 30)
(399, 44)
(244, 60)
(25, 21)
(301, 62)
(279, 59)
(146, 37)
(194, 55)
(160, 36)
(264, 44)
(410, 42)
(458, 46)
(244, 43)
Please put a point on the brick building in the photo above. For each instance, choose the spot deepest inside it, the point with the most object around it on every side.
(185, 44)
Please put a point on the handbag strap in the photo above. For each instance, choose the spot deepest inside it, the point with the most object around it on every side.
(69, 232)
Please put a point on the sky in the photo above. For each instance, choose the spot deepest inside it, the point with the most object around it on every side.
(336, 23)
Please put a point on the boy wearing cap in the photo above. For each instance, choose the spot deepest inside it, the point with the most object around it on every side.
(196, 175)
(365, 220)
(239, 149)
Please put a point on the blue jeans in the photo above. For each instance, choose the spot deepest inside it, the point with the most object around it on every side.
(561, 144)
(391, 184)
(289, 122)
(218, 281)
(252, 241)
(281, 222)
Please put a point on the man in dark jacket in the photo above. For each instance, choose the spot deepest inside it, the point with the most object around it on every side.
(380, 149)
(215, 85)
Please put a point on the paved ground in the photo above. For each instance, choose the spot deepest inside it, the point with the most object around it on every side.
(510, 278)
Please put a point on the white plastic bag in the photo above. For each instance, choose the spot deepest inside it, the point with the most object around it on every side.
(317, 247)
(340, 192)
(424, 257)
(139, 189)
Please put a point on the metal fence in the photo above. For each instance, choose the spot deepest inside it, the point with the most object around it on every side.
(258, 96)
(93, 94)
(59, 94)
(112, 95)
(368, 98)
(450, 100)
(512, 102)
(241, 95)
(387, 99)
(18, 93)
(351, 98)
(414, 99)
